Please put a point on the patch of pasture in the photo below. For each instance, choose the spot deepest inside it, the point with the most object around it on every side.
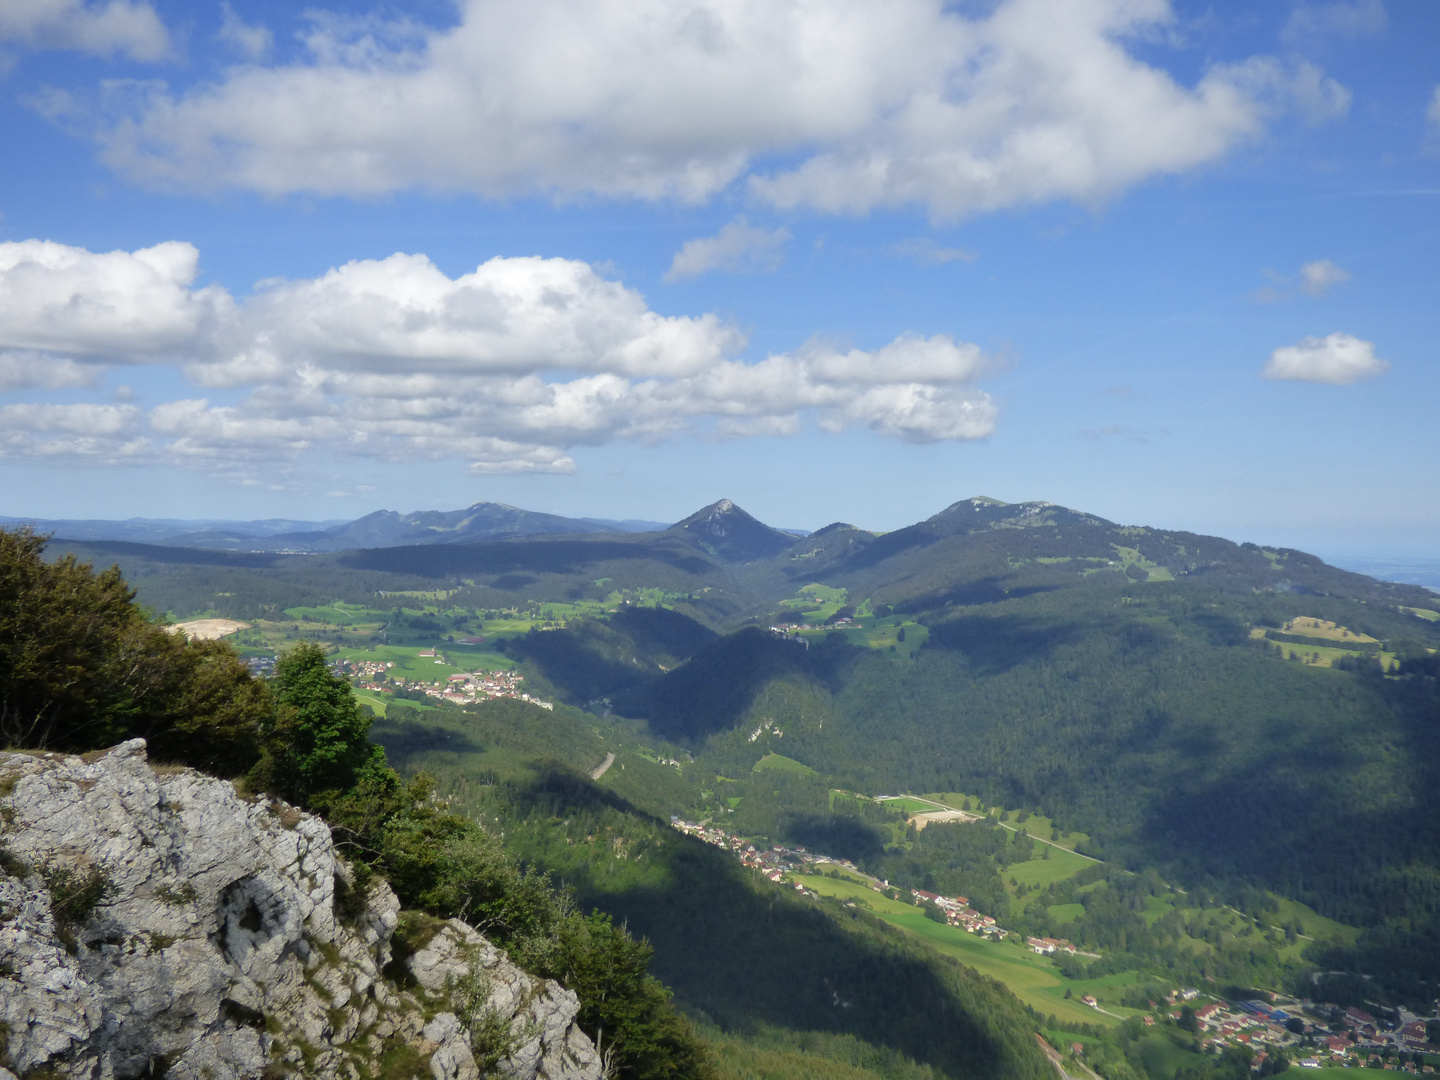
(1032, 978)
(909, 803)
(782, 763)
(1061, 914)
(1312, 923)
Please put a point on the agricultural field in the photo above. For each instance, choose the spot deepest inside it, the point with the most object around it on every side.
(911, 804)
(1032, 978)
(783, 763)
(1325, 630)
(1318, 655)
(1037, 825)
(1040, 871)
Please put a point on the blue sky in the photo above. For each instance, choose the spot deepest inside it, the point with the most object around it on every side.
(1171, 264)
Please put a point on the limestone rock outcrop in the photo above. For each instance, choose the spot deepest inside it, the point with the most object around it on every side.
(156, 922)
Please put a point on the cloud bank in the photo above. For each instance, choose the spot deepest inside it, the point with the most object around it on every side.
(840, 107)
(507, 368)
(1338, 359)
(104, 29)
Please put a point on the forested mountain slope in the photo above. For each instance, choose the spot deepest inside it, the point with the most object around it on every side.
(1235, 715)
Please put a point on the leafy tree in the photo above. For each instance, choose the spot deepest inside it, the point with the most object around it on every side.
(319, 741)
(81, 667)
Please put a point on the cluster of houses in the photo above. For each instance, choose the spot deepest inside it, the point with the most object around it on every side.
(958, 912)
(773, 862)
(362, 669)
(469, 687)
(1359, 1039)
(1351, 1038)
(460, 689)
(777, 860)
(1050, 946)
(1250, 1023)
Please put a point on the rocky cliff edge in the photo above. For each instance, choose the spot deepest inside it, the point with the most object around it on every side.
(153, 922)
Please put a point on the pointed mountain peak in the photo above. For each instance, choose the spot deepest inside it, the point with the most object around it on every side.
(728, 531)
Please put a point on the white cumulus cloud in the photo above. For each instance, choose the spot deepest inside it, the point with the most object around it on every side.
(115, 26)
(738, 248)
(1338, 359)
(507, 368)
(867, 105)
(122, 306)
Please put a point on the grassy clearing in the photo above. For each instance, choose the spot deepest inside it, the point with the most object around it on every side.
(816, 602)
(1422, 613)
(1325, 630)
(1128, 557)
(783, 763)
(380, 702)
(1163, 1058)
(910, 804)
(1032, 978)
(337, 614)
(1155, 907)
(1061, 914)
(1314, 924)
(1320, 655)
(1040, 872)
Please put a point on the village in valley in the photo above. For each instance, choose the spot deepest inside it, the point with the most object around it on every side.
(777, 861)
(1306, 1033)
(465, 688)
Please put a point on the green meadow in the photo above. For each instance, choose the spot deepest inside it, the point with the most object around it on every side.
(1032, 978)
(1039, 871)
(783, 763)
(912, 804)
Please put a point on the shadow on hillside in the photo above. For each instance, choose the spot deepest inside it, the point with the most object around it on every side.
(989, 590)
(593, 659)
(508, 557)
(716, 687)
(836, 835)
(407, 740)
(1000, 642)
(746, 953)
(890, 545)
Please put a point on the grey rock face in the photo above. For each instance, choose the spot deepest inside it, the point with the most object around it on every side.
(158, 921)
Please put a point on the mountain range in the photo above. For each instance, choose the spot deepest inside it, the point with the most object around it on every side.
(384, 528)
(1243, 720)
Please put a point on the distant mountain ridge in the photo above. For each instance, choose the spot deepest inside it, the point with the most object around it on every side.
(161, 530)
(384, 528)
